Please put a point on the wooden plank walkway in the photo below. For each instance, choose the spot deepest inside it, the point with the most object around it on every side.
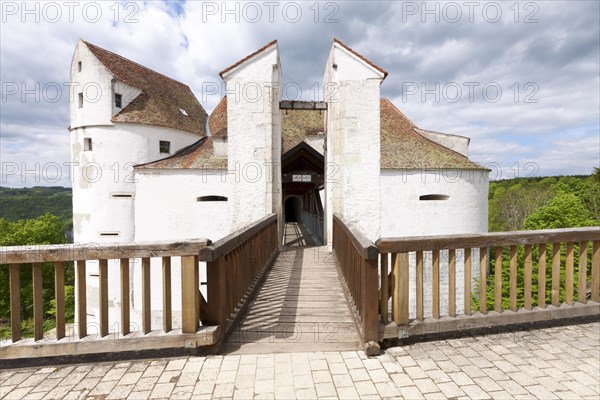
(301, 305)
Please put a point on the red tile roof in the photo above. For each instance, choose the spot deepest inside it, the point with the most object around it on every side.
(161, 98)
(371, 63)
(249, 56)
(198, 155)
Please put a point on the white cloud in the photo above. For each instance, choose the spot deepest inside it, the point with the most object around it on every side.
(559, 54)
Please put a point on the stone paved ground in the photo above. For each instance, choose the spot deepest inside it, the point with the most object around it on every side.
(553, 363)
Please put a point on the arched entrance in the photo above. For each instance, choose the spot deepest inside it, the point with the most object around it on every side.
(293, 209)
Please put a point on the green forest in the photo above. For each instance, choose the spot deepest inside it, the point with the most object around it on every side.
(43, 215)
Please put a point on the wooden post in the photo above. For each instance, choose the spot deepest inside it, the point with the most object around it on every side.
(582, 284)
(215, 293)
(527, 277)
(103, 280)
(569, 274)
(419, 285)
(556, 274)
(80, 303)
(383, 301)
(38, 312)
(483, 280)
(452, 282)
(59, 298)
(596, 271)
(15, 302)
(125, 303)
(542, 276)
(146, 304)
(395, 288)
(498, 280)
(403, 288)
(166, 275)
(467, 296)
(189, 287)
(513, 278)
(435, 284)
(370, 317)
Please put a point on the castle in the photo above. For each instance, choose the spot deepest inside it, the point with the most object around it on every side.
(152, 165)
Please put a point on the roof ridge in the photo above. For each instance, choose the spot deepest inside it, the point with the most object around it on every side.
(136, 63)
(365, 59)
(249, 56)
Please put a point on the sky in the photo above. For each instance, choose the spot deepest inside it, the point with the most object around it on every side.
(521, 79)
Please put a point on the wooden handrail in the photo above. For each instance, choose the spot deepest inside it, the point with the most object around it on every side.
(230, 242)
(363, 245)
(503, 255)
(492, 239)
(99, 251)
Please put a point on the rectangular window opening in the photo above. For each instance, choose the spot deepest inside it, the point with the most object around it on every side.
(434, 197)
(165, 147)
(121, 195)
(80, 98)
(211, 198)
(79, 66)
(109, 233)
(87, 144)
(118, 100)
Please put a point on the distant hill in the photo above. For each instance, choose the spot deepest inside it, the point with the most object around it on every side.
(28, 203)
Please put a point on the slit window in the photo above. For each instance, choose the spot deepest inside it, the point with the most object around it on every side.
(80, 100)
(87, 144)
(109, 233)
(164, 146)
(118, 100)
(211, 198)
(434, 197)
(121, 195)
(79, 66)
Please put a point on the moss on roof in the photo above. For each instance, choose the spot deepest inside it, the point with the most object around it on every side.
(297, 124)
(198, 155)
(161, 100)
(402, 147)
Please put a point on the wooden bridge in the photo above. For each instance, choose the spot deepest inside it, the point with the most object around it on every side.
(269, 295)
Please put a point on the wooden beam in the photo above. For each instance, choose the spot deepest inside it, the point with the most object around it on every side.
(452, 282)
(146, 299)
(38, 312)
(596, 271)
(569, 272)
(370, 317)
(59, 298)
(542, 275)
(302, 105)
(125, 303)
(527, 275)
(467, 282)
(555, 274)
(435, 284)
(493, 239)
(419, 284)
(383, 298)
(513, 278)
(582, 284)
(167, 309)
(498, 280)
(81, 298)
(103, 303)
(15, 302)
(483, 280)
(189, 289)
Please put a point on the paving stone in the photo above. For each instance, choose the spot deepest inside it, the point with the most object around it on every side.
(322, 376)
(303, 381)
(120, 392)
(130, 378)
(347, 393)
(341, 381)
(426, 385)
(325, 389)
(359, 375)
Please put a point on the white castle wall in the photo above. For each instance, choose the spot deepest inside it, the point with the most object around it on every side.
(254, 137)
(353, 141)
(403, 214)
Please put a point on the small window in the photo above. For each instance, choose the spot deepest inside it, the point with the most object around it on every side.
(118, 100)
(165, 147)
(79, 66)
(87, 144)
(211, 198)
(121, 195)
(109, 233)
(80, 97)
(434, 197)
(183, 112)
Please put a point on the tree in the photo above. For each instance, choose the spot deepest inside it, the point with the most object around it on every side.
(565, 210)
(47, 229)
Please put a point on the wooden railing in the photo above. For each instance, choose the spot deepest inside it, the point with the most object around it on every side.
(314, 223)
(357, 258)
(235, 264)
(506, 248)
(58, 255)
